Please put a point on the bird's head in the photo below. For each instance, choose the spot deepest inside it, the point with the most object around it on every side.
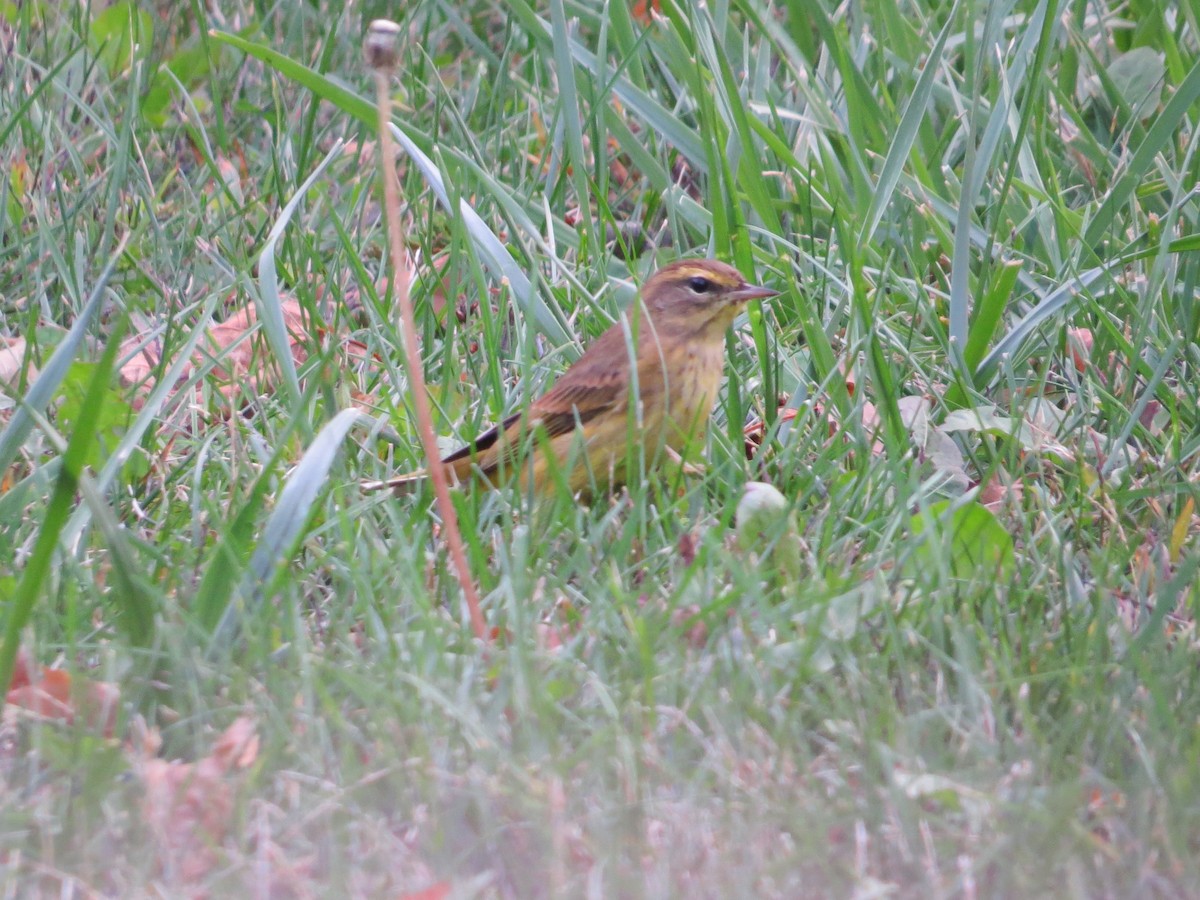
(699, 294)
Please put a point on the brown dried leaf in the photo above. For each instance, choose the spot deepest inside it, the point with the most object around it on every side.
(232, 178)
(52, 694)
(688, 544)
(756, 431)
(188, 807)
(559, 626)
(872, 424)
(1000, 489)
(695, 628)
(237, 747)
(231, 339)
(645, 10)
(438, 891)
(1079, 344)
(12, 358)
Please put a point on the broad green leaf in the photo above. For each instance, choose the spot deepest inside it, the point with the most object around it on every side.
(121, 34)
(967, 539)
(986, 420)
(1138, 76)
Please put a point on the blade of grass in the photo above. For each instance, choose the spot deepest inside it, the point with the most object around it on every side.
(1166, 361)
(268, 301)
(285, 523)
(214, 594)
(1161, 134)
(977, 165)
(657, 116)
(167, 388)
(497, 257)
(37, 571)
(1017, 340)
(570, 113)
(130, 590)
(989, 311)
(906, 133)
(43, 390)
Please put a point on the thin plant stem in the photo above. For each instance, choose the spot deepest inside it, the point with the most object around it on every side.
(382, 61)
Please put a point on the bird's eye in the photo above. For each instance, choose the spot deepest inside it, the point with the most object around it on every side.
(699, 284)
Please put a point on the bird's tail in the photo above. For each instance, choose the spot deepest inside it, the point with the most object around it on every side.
(458, 471)
(399, 485)
(461, 465)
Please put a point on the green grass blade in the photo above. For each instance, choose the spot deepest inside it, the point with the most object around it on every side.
(906, 133)
(497, 257)
(653, 113)
(132, 593)
(269, 301)
(1159, 136)
(570, 113)
(323, 86)
(1017, 342)
(37, 570)
(494, 253)
(43, 390)
(287, 520)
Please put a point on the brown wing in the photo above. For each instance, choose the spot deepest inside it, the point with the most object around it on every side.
(596, 383)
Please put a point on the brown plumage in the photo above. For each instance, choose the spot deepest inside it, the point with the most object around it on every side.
(585, 423)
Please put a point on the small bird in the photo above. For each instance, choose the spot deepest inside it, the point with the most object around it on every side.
(584, 432)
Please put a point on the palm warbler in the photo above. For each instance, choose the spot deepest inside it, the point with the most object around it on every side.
(584, 433)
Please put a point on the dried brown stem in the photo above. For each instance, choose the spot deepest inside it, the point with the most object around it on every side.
(380, 53)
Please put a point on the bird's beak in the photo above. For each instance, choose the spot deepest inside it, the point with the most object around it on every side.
(752, 292)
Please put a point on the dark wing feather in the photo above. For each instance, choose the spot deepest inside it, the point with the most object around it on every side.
(483, 442)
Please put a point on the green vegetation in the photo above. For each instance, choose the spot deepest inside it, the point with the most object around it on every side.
(958, 660)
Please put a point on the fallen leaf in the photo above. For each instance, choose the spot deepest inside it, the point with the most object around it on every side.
(51, 694)
(998, 488)
(872, 422)
(947, 460)
(12, 358)
(239, 365)
(1079, 344)
(1149, 414)
(688, 544)
(756, 431)
(231, 338)
(439, 891)
(21, 674)
(687, 618)
(1032, 432)
(1138, 77)
(188, 807)
(645, 10)
(559, 626)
